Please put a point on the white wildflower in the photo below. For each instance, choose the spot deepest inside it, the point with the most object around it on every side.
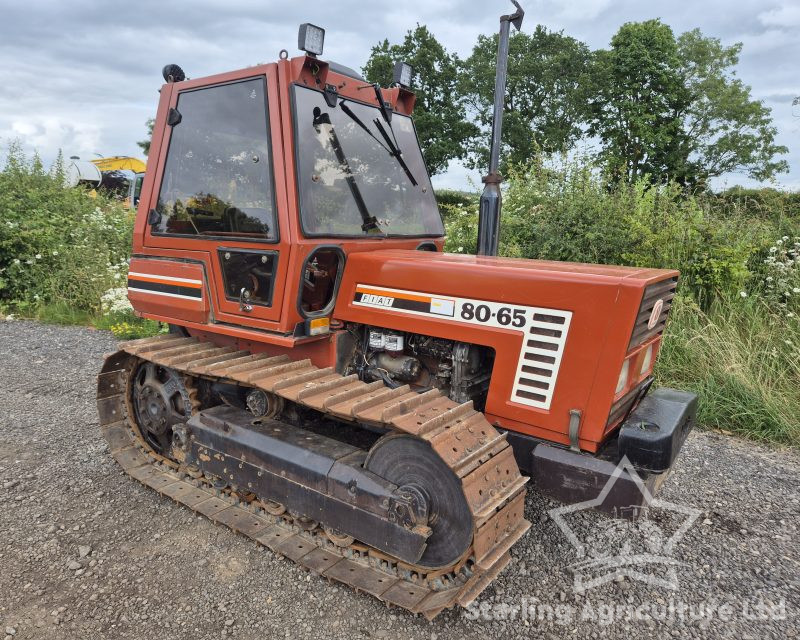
(743, 294)
(773, 249)
(785, 238)
(29, 261)
(38, 256)
(795, 289)
(116, 301)
(16, 260)
(55, 253)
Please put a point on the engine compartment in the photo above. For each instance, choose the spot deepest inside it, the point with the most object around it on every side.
(460, 370)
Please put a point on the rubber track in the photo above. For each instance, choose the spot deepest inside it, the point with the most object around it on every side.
(477, 453)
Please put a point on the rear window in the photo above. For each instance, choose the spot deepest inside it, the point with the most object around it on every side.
(218, 175)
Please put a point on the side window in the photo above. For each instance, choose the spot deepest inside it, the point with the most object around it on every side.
(218, 176)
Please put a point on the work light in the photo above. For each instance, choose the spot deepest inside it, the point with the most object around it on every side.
(310, 39)
(402, 74)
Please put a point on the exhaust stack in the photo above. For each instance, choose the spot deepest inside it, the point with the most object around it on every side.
(491, 200)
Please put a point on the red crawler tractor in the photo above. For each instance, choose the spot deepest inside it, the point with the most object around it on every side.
(336, 387)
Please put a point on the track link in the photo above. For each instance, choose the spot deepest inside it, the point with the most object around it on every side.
(477, 453)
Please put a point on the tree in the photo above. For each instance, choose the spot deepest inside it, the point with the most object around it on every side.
(725, 129)
(636, 86)
(673, 109)
(545, 102)
(145, 144)
(439, 111)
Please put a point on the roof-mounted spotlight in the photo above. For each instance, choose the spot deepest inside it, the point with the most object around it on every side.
(310, 39)
(402, 74)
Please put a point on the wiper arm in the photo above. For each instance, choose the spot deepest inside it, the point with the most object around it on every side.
(351, 114)
(370, 223)
(394, 150)
(391, 147)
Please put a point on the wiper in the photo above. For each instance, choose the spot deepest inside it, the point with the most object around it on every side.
(392, 148)
(395, 150)
(370, 223)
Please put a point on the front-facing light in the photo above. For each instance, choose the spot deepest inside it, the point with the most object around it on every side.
(402, 74)
(310, 39)
(623, 377)
(647, 361)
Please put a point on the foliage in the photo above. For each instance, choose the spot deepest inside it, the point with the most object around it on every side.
(57, 245)
(742, 358)
(663, 108)
(672, 109)
(545, 101)
(126, 326)
(723, 129)
(439, 113)
(636, 85)
(145, 144)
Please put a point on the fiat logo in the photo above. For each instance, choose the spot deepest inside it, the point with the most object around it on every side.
(655, 314)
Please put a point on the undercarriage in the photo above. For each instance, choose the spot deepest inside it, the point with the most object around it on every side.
(411, 497)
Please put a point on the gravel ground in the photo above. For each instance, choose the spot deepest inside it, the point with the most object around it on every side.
(86, 552)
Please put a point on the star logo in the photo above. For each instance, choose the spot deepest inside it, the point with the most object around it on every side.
(639, 543)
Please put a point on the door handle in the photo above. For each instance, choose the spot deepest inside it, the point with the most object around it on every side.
(244, 298)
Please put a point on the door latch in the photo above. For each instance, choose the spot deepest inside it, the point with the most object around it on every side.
(244, 300)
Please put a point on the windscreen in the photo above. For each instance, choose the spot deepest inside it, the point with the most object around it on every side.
(359, 175)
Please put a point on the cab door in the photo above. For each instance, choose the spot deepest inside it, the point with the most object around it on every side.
(221, 192)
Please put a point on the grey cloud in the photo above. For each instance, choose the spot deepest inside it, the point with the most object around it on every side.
(84, 75)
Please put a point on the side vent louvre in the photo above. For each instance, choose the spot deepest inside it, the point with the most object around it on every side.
(646, 325)
(542, 349)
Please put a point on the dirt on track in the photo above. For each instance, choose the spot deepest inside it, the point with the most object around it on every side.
(86, 552)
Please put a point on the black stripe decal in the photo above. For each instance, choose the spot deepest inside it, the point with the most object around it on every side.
(387, 301)
(190, 292)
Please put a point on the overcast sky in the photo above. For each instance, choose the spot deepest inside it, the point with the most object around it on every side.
(83, 77)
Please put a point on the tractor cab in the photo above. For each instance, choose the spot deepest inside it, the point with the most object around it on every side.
(273, 174)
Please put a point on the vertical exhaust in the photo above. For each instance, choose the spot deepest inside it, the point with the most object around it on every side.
(491, 200)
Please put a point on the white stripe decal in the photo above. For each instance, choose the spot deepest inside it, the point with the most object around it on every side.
(170, 278)
(161, 293)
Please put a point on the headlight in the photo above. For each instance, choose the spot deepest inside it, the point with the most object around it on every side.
(623, 377)
(647, 361)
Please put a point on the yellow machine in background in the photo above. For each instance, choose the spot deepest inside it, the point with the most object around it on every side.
(120, 175)
(119, 163)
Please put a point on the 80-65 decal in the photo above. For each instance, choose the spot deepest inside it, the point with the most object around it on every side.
(483, 313)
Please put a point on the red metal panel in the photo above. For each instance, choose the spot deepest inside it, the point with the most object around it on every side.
(167, 288)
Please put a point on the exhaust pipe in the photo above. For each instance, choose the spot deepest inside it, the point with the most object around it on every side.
(491, 200)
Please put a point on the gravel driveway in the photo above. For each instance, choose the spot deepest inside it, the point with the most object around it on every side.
(86, 552)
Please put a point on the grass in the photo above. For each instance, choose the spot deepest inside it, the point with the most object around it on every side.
(743, 362)
(124, 326)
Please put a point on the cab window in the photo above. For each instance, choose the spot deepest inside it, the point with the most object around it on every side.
(218, 177)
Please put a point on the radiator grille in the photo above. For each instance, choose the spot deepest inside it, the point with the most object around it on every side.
(643, 329)
(540, 359)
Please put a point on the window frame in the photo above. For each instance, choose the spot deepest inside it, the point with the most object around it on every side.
(271, 177)
(298, 195)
